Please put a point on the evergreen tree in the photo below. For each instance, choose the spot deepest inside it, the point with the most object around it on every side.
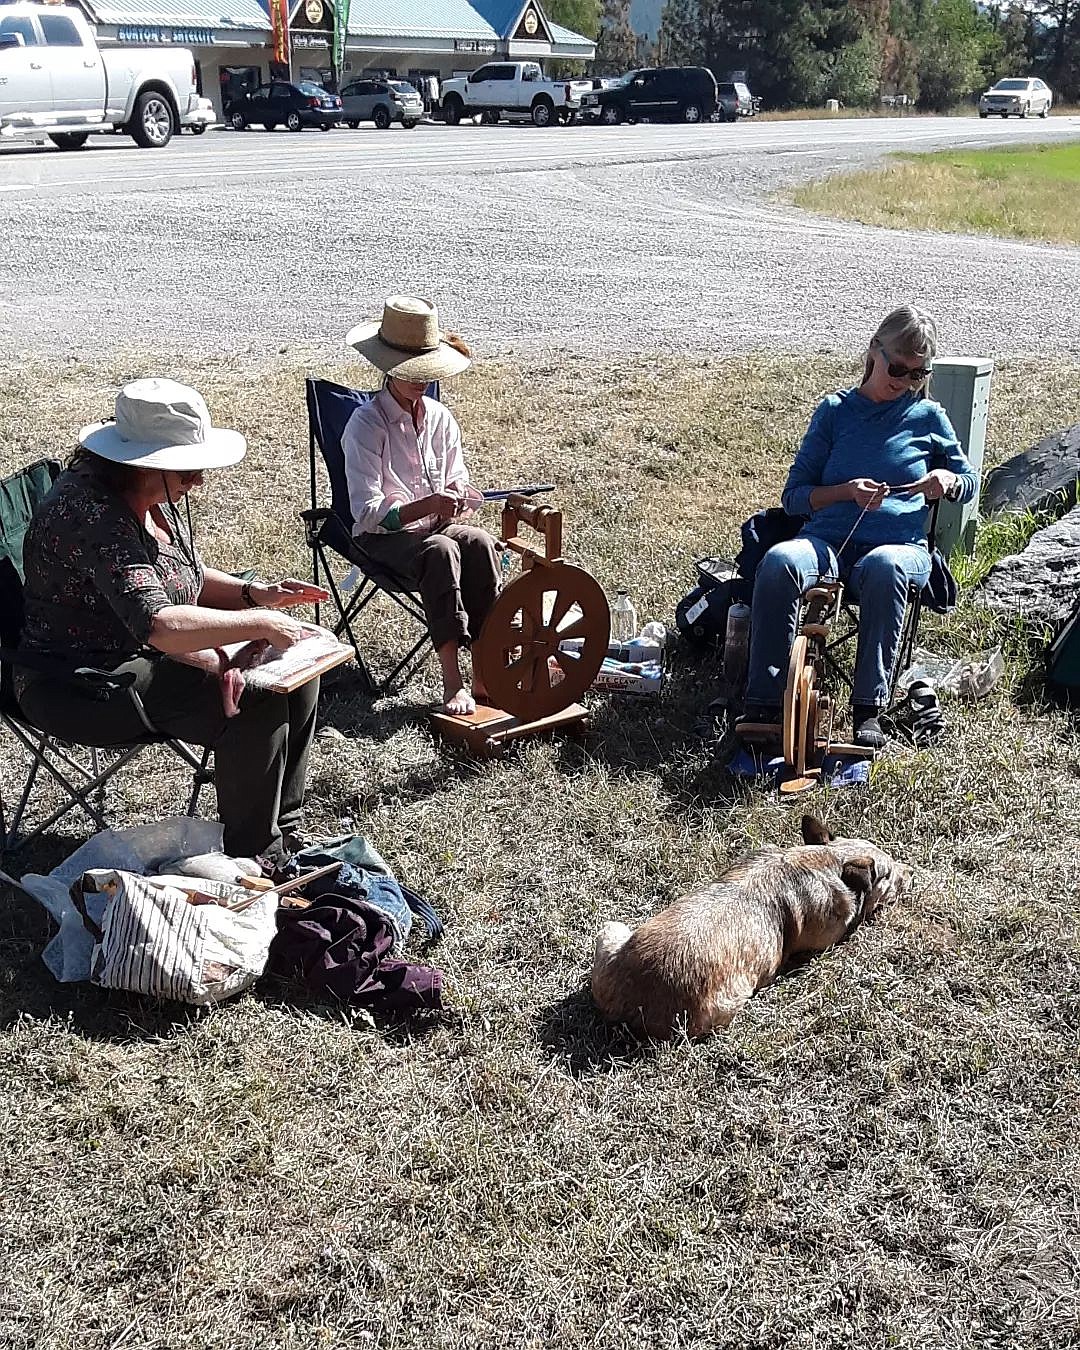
(580, 16)
(616, 43)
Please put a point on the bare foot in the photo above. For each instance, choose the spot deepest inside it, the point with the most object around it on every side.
(458, 702)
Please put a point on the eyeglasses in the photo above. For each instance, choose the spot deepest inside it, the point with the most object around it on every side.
(898, 371)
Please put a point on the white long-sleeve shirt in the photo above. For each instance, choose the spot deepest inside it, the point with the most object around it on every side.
(390, 462)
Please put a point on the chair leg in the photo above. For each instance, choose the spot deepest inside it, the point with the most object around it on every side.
(78, 796)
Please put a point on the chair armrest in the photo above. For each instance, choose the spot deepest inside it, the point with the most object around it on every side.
(104, 683)
(101, 684)
(315, 515)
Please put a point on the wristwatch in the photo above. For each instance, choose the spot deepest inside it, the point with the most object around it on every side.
(245, 593)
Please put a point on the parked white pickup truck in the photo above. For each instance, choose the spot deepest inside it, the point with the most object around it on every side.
(55, 81)
(511, 87)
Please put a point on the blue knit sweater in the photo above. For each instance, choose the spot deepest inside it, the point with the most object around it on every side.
(851, 436)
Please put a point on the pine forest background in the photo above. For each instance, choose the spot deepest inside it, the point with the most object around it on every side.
(798, 53)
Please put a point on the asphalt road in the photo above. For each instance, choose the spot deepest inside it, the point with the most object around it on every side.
(628, 239)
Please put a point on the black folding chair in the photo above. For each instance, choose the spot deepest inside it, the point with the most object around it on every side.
(81, 772)
(329, 530)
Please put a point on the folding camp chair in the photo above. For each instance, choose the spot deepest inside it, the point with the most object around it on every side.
(329, 529)
(80, 772)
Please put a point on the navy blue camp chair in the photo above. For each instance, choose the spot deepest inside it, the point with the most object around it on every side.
(329, 530)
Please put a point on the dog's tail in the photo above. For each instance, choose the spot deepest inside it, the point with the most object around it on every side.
(609, 943)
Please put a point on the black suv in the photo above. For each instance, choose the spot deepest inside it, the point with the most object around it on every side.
(666, 94)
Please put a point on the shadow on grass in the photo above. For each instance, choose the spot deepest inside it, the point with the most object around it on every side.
(573, 1033)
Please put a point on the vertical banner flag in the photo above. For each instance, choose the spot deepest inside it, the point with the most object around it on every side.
(341, 33)
(279, 20)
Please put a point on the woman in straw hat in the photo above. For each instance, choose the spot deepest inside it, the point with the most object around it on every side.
(872, 459)
(409, 488)
(113, 580)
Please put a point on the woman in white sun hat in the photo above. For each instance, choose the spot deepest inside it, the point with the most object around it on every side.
(113, 580)
(409, 489)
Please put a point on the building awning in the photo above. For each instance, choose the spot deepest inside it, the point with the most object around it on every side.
(419, 19)
(239, 15)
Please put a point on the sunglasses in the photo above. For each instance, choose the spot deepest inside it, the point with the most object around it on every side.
(898, 371)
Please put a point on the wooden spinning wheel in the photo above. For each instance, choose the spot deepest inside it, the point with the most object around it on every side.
(518, 654)
(534, 685)
(806, 727)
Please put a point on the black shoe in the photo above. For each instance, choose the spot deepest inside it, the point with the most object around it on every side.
(867, 728)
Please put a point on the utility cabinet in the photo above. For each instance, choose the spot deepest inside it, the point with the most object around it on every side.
(961, 384)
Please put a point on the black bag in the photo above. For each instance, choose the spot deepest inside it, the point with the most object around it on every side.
(1063, 661)
(701, 616)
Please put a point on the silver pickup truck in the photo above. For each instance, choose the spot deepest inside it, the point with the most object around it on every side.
(55, 81)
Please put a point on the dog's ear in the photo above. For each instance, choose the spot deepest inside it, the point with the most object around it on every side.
(858, 876)
(813, 832)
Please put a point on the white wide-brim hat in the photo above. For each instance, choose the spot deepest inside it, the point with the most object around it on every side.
(408, 343)
(161, 424)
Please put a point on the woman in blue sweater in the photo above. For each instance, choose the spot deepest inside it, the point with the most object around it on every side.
(871, 461)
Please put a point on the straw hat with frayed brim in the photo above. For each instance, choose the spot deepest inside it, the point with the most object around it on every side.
(408, 344)
(160, 424)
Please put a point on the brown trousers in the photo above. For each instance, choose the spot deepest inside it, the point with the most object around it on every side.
(456, 569)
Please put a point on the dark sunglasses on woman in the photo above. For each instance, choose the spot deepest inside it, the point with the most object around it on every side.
(898, 371)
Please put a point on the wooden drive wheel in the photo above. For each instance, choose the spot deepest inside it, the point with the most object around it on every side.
(519, 642)
(807, 713)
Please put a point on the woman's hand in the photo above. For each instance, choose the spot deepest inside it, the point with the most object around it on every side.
(446, 505)
(282, 631)
(867, 493)
(938, 483)
(283, 594)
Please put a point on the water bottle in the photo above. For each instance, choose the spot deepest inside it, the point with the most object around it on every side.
(737, 645)
(623, 619)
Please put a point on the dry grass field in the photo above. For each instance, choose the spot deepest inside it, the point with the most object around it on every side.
(880, 1152)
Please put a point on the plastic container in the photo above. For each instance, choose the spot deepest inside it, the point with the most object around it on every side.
(737, 645)
(623, 619)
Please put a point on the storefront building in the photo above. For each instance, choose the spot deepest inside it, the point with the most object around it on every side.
(231, 39)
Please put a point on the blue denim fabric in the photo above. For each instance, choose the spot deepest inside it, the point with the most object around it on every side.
(877, 578)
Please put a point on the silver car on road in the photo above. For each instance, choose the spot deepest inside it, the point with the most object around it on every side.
(381, 102)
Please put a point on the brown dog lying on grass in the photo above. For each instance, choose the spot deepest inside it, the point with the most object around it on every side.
(697, 962)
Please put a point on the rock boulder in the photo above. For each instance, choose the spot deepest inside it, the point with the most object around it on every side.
(1043, 582)
(1038, 479)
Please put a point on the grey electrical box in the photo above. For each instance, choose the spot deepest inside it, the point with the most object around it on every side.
(961, 384)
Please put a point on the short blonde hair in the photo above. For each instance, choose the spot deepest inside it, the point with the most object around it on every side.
(906, 331)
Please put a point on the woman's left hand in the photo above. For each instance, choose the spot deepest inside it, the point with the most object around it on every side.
(938, 483)
(282, 594)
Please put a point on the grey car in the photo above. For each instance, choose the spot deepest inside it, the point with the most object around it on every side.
(734, 100)
(381, 102)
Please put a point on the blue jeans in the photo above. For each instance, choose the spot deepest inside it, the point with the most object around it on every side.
(877, 577)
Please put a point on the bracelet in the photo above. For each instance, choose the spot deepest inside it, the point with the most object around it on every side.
(245, 595)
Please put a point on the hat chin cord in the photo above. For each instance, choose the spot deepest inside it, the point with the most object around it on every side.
(189, 553)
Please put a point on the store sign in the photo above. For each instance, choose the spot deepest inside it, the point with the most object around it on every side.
(310, 40)
(314, 13)
(181, 37)
(532, 23)
(477, 45)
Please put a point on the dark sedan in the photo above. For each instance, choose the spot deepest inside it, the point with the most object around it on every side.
(277, 104)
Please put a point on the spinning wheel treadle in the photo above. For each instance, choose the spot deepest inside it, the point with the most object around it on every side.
(518, 638)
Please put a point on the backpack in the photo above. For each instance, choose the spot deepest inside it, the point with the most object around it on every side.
(1063, 660)
(701, 616)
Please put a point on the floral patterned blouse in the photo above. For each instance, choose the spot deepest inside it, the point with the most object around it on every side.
(95, 576)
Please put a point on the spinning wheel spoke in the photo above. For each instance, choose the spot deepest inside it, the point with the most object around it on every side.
(560, 607)
(578, 628)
